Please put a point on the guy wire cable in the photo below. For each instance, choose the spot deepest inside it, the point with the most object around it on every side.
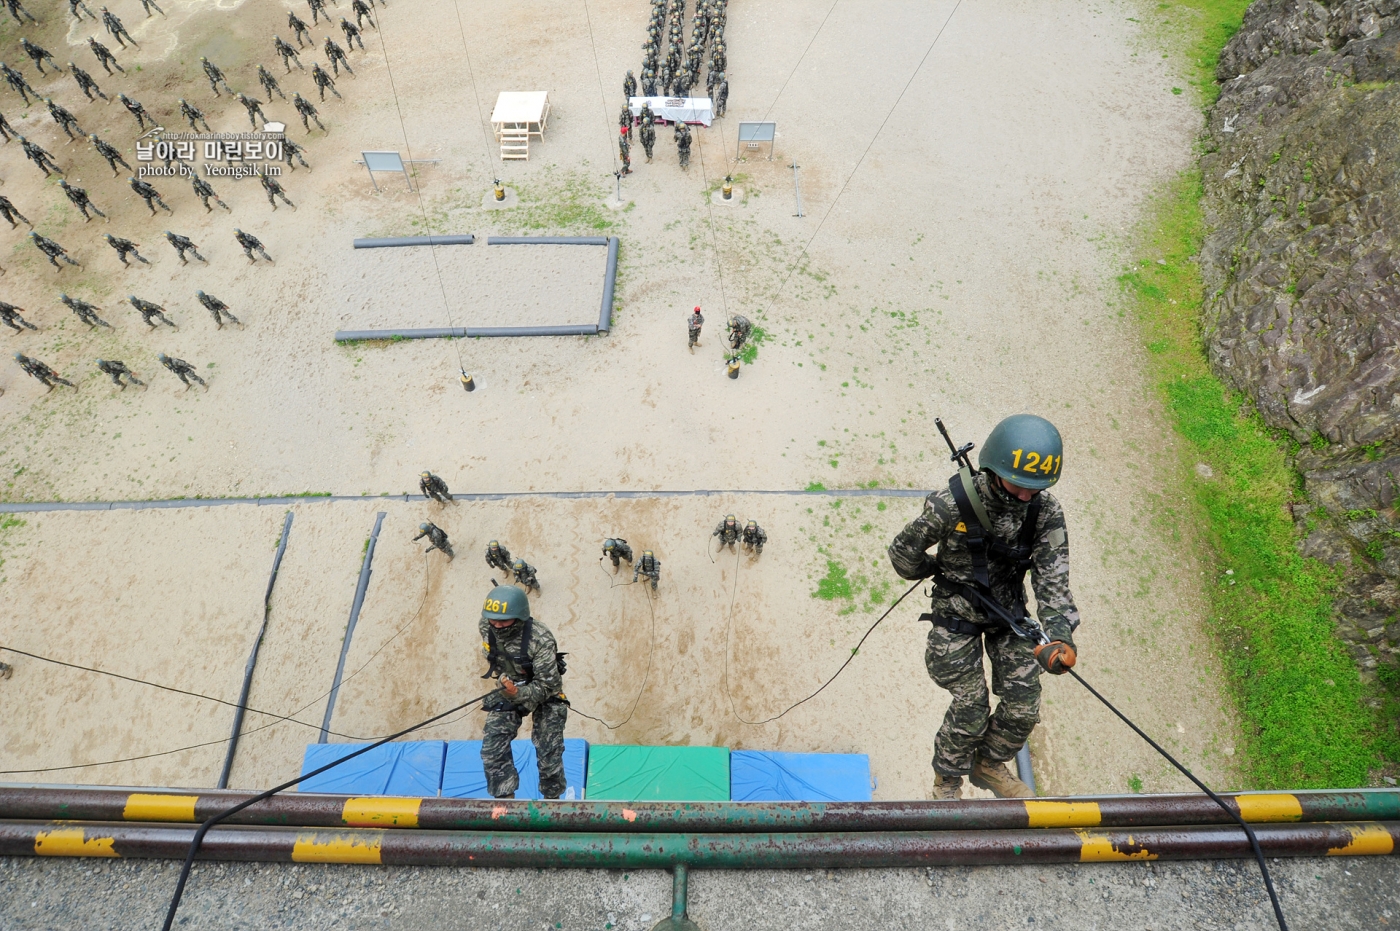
(651, 651)
(710, 205)
(476, 93)
(262, 796)
(602, 94)
(799, 60)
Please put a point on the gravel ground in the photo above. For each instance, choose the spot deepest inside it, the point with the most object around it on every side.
(1332, 893)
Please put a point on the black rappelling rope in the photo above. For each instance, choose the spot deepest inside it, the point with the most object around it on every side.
(262, 796)
(651, 651)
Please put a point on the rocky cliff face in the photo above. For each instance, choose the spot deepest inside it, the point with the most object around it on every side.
(1302, 271)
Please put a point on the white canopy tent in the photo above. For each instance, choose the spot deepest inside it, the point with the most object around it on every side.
(518, 116)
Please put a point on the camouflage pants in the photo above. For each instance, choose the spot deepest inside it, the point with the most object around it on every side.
(547, 733)
(969, 729)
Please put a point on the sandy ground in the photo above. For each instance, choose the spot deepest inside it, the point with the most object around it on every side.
(966, 271)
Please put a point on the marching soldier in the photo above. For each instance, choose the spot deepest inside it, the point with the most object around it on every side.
(118, 370)
(218, 308)
(308, 110)
(11, 316)
(136, 110)
(124, 248)
(149, 194)
(86, 82)
(195, 115)
(10, 212)
(291, 150)
(991, 528)
(204, 191)
(648, 567)
(118, 31)
(362, 12)
(39, 156)
(80, 199)
(181, 370)
(324, 82)
(352, 34)
(6, 129)
(109, 152)
(522, 653)
(16, 11)
(616, 549)
(498, 557)
(299, 29)
(433, 487)
(727, 531)
(36, 369)
(38, 54)
(318, 9)
(269, 84)
(215, 76)
(754, 537)
(693, 325)
(183, 244)
(274, 190)
(437, 539)
(336, 55)
(254, 106)
(525, 575)
(151, 312)
(288, 54)
(251, 244)
(51, 249)
(104, 56)
(149, 5)
(739, 331)
(17, 82)
(85, 312)
(77, 8)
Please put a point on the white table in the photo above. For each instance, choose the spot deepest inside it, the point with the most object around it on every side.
(676, 109)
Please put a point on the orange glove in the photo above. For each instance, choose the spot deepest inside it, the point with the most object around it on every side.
(511, 689)
(1055, 657)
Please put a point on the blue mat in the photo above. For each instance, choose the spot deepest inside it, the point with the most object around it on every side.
(759, 776)
(463, 776)
(412, 769)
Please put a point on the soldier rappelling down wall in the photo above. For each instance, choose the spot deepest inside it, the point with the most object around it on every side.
(990, 529)
(522, 653)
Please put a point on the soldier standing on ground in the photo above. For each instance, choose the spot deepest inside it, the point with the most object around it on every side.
(39, 156)
(324, 82)
(525, 575)
(136, 110)
(727, 531)
(308, 110)
(6, 129)
(616, 549)
(104, 56)
(36, 369)
(63, 118)
(683, 144)
(433, 487)
(291, 150)
(352, 34)
(254, 107)
(150, 312)
(86, 83)
(38, 54)
(204, 191)
(116, 29)
(522, 652)
(437, 539)
(497, 556)
(17, 82)
(269, 84)
(124, 248)
(754, 537)
(181, 370)
(336, 54)
(318, 9)
(80, 199)
(149, 194)
(149, 5)
(629, 86)
(274, 190)
(648, 567)
(86, 312)
(183, 244)
(218, 309)
(739, 331)
(693, 325)
(11, 316)
(251, 244)
(215, 76)
(195, 115)
(990, 529)
(51, 249)
(288, 53)
(10, 212)
(111, 154)
(299, 29)
(721, 95)
(117, 370)
(362, 12)
(624, 150)
(17, 10)
(77, 8)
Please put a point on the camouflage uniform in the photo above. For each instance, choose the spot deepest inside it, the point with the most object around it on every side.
(647, 567)
(434, 487)
(525, 575)
(754, 538)
(437, 539)
(617, 549)
(693, 325)
(104, 56)
(497, 557)
(86, 83)
(118, 370)
(953, 657)
(10, 316)
(739, 331)
(535, 670)
(727, 531)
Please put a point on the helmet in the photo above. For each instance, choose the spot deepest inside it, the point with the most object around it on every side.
(199, 294)
(505, 603)
(647, 554)
(162, 356)
(609, 544)
(518, 564)
(423, 527)
(420, 474)
(752, 523)
(493, 545)
(99, 361)
(19, 357)
(729, 518)
(1025, 450)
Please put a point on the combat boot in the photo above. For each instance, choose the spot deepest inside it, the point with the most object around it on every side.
(997, 779)
(946, 788)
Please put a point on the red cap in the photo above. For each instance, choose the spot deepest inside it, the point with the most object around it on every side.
(697, 310)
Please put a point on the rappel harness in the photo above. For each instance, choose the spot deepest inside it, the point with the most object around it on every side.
(519, 668)
(981, 545)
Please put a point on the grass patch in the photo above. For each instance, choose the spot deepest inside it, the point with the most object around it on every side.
(835, 584)
(564, 202)
(1307, 718)
(750, 351)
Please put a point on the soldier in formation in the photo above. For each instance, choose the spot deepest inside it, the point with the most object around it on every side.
(77, 8)
(352, 34)
(293, 150)
(104, 56)
(51, 249)
(497, 556)
(683, 144)
(118, 371)
(6, 129)
(269, 84)
(648, 567)
(629, 86)
(336, 55)
(739, 331)
(149, 194)
(17, 82)
(114, 27)
(318, 9)
(36, 369)
(287, 53)
(218, 309)
(324, 82)
(13, 317)
(181, 370)
(215, 76)
(11, 213)
(624, 120)
(362, 12)
(79, 197)
(124, 248)
(274, 190)
(204, 191)
(39, 156)
(137, 111)
(251, 244)
(727, 531)
(194, 115)
(38, 54)
(525, 575)
(254, 107)
(86, 83)
(721, 95)
(648, 83)
(109, 152)
(754, 537)
(149, 5)
(17, 10)
(307, 110)
(153, 314)
(433, 487)
(299, 29)
(991, 528)
(648, 137)
(85, 312)
(522, 654)
(616, 549)
(183, 244)
(437, 539)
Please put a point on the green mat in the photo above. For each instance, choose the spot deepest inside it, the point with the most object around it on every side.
(658, 774)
